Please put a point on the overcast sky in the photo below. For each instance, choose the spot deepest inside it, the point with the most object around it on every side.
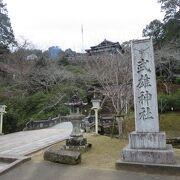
(58, 22)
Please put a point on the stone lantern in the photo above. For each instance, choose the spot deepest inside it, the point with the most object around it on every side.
(76, 140)
(2, 111)
(96, 106)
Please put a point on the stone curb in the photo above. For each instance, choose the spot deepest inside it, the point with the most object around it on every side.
(168, 169)
(17, 160)
(13, 162)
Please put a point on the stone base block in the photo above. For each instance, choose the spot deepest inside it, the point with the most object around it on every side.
(80, 141)
(63, 156)
(147, 140)
(78, 148)
(156, 156)
(168, 169)
(77, 144)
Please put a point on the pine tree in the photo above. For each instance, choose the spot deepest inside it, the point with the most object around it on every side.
(6, 33)
(171, 8)
(169, 29)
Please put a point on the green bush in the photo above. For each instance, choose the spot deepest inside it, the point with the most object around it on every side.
(177, 81)
(10, 123)
(64, 61)
(170, 102)
(75, 69)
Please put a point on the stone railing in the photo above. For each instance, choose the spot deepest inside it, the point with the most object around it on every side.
(31, 125)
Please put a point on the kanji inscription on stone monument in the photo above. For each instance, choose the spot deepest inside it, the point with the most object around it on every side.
(146, 143)
(145, 95)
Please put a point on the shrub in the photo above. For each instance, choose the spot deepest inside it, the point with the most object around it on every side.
(177, 81)
(170, 102)
(10, 122)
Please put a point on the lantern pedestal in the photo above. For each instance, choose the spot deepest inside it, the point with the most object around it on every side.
(76, 140)
(77, 144)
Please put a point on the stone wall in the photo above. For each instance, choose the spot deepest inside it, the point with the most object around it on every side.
(41, 124)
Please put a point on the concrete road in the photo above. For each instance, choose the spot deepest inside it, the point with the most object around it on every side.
(45, 170)
(26, 142)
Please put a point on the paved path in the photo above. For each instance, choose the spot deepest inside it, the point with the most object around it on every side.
(27, 142)
(23, 143)
(53, 171)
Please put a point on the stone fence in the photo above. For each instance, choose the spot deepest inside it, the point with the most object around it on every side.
(32, 125)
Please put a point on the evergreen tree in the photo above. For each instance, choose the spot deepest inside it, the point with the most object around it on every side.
(170, 7)
(169, 30)
(155, 30)
(6, 32)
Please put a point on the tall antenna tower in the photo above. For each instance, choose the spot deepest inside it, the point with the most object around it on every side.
(82, 33)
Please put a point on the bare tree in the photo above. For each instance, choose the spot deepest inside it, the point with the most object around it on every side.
(113, 73)
(43, 78)
(15, 63)
(167, 63)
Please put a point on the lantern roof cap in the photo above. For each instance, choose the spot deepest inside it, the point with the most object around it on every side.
(76, 101)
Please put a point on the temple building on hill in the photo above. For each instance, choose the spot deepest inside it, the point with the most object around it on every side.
(105, 47)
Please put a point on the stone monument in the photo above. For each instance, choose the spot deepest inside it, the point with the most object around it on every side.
(146, 144)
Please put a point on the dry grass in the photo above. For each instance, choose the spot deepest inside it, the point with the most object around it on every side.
(170, 123)
(103, 154)
(177, 155)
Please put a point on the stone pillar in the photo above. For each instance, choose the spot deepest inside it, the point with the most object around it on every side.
(2, 111)
(76, 121)
(146, 143)
(96, 121)
(119, 120)
(96, 107)
(1, 122)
